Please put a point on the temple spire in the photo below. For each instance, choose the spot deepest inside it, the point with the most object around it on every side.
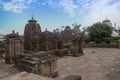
(32, 17)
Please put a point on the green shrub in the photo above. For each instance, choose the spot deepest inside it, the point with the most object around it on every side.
(68, 44)
(97, 40)
(108, 40)
(87, 39)
(118, 40)
(115, 39)
(98, 31)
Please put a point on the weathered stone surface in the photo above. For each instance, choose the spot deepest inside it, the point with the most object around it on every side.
(40, 63)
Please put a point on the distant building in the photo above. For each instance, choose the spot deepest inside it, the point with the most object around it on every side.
(108, 22)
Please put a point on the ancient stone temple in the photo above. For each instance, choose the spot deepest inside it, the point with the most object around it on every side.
(36, 57)
(36, 51)
(32, 35)
(35, 40)
(67, 34)
(14, 46)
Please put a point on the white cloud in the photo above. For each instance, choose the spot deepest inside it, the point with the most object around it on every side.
(16, 6)
(51, 3)
(96, 10)
(86, 11)
(69, 7)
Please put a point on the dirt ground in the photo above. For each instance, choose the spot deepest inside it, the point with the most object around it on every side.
(7, 69)
(95, 64)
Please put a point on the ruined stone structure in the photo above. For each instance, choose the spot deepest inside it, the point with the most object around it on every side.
(77, 49)
(40, 63)
(14, 46)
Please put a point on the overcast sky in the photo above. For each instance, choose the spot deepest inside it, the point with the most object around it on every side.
(52, 14)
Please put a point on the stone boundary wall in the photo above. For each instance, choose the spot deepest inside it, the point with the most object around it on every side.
(101, 45)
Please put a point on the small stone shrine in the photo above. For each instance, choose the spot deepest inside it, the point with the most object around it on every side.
(14, 46)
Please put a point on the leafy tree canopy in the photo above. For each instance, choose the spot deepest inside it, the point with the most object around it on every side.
(99, 31)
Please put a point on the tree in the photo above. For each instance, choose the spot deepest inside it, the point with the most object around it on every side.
(99, 31)
(76, 28)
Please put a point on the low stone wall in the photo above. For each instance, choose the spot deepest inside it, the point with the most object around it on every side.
(101, 45)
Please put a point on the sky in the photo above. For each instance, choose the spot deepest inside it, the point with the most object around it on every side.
(52, 14)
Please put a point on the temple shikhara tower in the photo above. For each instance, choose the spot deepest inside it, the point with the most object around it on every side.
(31, 35)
